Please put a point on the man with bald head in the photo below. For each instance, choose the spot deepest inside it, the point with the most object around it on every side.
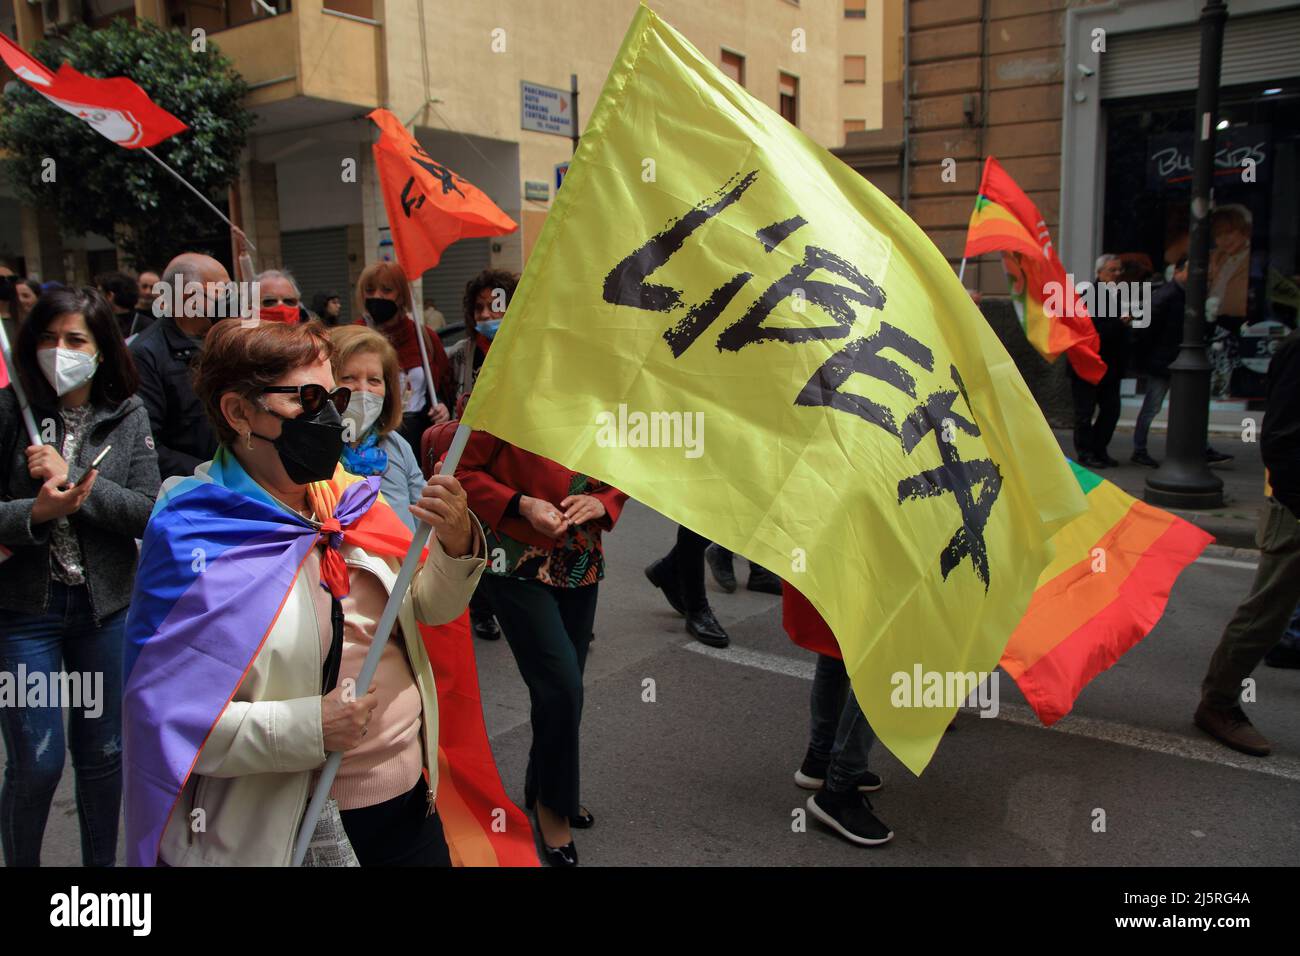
(191, 296)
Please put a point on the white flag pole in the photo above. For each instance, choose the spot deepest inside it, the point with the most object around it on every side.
(204, 199)
(962, 271)
(382, 632)
(424, 359)
(28, 419)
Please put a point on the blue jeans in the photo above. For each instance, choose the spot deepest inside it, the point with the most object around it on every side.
(65, 637)
(840, 732)
(1152, 402)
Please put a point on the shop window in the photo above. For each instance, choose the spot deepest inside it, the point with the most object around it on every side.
(1254, 266)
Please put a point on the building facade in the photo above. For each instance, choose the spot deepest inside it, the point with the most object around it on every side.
(453, 70)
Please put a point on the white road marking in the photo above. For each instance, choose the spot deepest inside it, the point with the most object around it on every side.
(1225, 563)
(1074, 725)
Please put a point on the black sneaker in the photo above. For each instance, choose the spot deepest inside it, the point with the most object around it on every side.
(720, 563)
(811, 775)
(849, 815)
(869, 782)
(1216, 457)
(1143, 458)
(763, 580)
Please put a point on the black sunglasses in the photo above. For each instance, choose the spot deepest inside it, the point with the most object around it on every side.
(313, 397)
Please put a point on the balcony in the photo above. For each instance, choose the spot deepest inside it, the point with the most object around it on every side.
(313, 61)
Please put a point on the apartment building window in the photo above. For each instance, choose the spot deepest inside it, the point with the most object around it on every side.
(855, 9)
(854, 126)
(855, 69)
(733, 64)
(789, 101)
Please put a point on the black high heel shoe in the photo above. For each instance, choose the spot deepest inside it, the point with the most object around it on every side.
(583, 821)
(559, 856)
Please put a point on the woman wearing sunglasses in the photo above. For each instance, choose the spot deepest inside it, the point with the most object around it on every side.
(244, 669)
(367, 364)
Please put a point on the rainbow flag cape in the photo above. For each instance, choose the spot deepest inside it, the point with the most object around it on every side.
(217, 563)
(1103, 592)
(1006, 220)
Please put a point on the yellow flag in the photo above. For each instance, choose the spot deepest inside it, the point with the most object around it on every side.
(733, 327)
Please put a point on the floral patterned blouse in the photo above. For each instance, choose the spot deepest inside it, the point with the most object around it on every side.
(575, 561)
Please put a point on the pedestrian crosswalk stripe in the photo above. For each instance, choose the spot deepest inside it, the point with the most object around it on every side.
(1074, 725)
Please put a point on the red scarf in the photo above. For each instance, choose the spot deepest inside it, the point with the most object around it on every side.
(401, 336)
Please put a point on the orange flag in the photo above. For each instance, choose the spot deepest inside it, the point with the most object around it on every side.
(429, 206)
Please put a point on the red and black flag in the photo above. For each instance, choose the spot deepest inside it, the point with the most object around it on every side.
(429, 206)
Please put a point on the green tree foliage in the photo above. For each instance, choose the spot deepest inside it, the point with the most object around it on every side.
(103, 188)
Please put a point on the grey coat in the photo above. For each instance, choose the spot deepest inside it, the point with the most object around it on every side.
(107, 524)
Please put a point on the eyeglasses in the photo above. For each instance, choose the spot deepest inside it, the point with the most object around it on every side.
(271, 301)
(313, 397)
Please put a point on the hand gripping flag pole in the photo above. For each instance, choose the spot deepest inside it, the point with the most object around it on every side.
(382, 632)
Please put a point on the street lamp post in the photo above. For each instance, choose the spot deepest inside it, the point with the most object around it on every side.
(1184, 479)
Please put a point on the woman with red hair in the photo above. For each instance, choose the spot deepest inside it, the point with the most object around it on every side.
(384, 303)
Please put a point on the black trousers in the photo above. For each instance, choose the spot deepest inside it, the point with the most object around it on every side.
(398, 832)
(685, 564)
(548, 630)
(1091, 436)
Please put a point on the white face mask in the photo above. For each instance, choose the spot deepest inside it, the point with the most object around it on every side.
(363, 411)
(67, 369)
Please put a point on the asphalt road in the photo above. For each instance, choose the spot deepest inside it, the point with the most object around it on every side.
(703, 775)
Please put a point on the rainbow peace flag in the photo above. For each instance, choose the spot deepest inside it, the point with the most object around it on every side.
(217, 563)
(1006, 220)
(1103, 592)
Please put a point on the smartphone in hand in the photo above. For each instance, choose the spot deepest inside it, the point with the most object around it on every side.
(86, 474)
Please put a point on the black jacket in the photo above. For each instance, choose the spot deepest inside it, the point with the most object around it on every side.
(164, 356)
(1164, 337)
(107, 524)
(1279, 439)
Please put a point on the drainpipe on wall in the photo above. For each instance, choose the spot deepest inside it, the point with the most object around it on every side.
(907, 103)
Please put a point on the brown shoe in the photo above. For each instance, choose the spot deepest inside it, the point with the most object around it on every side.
(1232, 727)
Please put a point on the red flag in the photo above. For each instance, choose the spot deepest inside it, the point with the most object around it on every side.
(115, 108)
(482, 826)
(1006, 220)
(429, 206)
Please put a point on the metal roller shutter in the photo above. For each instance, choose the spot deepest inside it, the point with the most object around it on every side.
(444, 285)
(1255, 49)
(318, 259)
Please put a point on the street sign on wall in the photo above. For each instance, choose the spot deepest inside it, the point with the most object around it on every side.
(545, 109)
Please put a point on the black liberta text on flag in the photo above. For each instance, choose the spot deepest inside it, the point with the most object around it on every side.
(626, 284)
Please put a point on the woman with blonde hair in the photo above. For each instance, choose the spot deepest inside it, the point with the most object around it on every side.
(384, 303)
(364, 362)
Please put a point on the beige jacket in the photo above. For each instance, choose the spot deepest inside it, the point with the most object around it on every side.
(257, 770)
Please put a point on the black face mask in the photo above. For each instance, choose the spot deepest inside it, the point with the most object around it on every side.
(309, 447)
(381, 310)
